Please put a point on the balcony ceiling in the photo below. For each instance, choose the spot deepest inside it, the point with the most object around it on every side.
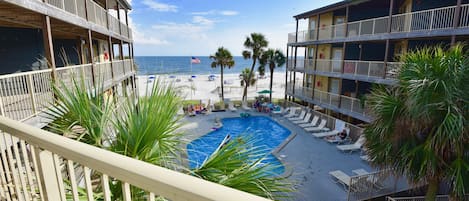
(13, 16)
(338, 5)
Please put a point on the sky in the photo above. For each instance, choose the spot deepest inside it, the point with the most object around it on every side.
(198, 28)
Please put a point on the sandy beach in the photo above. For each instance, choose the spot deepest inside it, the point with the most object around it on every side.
(201, 88)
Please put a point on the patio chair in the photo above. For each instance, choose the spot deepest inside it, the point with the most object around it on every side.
(304, 120)
(231, 107)
(300, 117)
(339, 140)
(326, 134)
(353, 147)
(292, 112)
(319, 128)
(312, 123)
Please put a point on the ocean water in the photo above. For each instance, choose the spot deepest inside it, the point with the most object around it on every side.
(149, 65)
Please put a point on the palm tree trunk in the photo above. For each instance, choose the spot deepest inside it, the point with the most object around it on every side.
(249, 78)
(271, 81)
(222, 92)
(432, 189)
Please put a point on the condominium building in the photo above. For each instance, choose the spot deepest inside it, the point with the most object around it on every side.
(52, 42)
(352, 45)
(61, 40)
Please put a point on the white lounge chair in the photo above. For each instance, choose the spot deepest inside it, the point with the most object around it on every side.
(245, 106)
(319, 128)
(312, 123)
(341, 178)
(300, 117)
(231, 107)
(330, 133)
(304, 120)
(344, 179)
(292, 112)
(353, 147)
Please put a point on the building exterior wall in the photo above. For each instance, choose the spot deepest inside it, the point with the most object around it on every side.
(322, 83)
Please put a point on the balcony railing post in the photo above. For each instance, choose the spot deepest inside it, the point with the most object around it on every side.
(30, 86)
(360, 28)
(432, 19)
(47, 172)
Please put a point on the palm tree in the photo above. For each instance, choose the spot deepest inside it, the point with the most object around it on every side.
(273, 58)
(245, 76)
(256, 44)
(421, 125)
(223, 59)
(233, 166)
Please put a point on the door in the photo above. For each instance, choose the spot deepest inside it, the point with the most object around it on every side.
(312, 29)
(337, 60)
(334, 91)
(310, 61)
(406, 20)
(339, 28)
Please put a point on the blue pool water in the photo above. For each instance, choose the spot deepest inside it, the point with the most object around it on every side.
(268, 134)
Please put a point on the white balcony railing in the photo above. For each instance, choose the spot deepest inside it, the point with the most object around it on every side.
(425, 20)
(95, 13)
(368, 27)
(326, 65)
(327, 97)
(128, 66)
(422, 198)
(39, 165)
(118, 69)
(24, 95)
(331, 32)
(464, 20)
(353, 105)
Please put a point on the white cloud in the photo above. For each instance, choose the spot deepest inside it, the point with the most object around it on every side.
(217, 12)
(229, 12)
(202, 20)
(160, 7)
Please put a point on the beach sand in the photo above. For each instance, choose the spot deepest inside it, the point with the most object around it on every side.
(203, 89)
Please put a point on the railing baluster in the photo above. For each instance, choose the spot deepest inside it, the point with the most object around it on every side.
(36, 171)
(27, 167)
(11, 161)
(7, 177)
(73, 180)
(88, 185)
(106, 190)
(58, 170)
(126, 191)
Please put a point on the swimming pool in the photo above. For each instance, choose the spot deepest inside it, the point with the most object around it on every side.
(268, 133)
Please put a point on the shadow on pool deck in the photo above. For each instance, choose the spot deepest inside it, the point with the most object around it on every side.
(311, 159)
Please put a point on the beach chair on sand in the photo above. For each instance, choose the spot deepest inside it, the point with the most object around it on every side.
(312, 123)
(319, 128)
(353, 147)
(300, 117)
(304, 120)
(292, 112)
(231, 107)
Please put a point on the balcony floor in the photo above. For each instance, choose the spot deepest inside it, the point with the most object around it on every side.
(311, 159)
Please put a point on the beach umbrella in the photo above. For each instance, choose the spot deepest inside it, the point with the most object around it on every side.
(264, 92)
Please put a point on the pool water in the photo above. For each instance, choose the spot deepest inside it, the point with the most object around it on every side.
(268, 135)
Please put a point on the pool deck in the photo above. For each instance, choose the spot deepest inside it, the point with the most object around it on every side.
(311, 159)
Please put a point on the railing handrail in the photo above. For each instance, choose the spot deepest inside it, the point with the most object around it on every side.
(385, 17)
(161, 181)
(424, 11)
(25, 73)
